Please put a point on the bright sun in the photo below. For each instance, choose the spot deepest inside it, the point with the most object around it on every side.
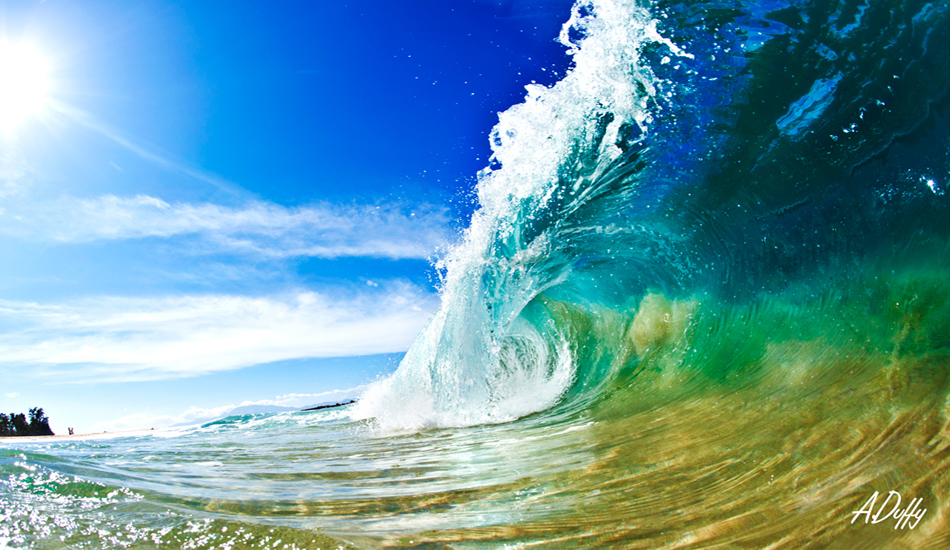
(23, 84)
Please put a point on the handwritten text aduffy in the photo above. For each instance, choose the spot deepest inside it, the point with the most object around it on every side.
(902, 517)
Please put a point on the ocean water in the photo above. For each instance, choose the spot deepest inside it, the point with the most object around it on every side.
(704, 302)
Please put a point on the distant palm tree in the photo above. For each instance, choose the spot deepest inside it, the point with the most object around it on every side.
(16, 424)
(39, 424)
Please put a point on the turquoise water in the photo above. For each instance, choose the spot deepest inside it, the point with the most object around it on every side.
(704, 301)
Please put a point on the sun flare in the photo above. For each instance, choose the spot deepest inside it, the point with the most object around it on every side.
(23, 84)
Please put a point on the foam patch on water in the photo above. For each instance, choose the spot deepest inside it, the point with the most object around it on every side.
(43, 508)
(531, 376)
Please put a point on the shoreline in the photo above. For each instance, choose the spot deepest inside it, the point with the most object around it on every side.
(138, 431)
(93, 435)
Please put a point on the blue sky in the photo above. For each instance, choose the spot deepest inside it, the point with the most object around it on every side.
(229, 202)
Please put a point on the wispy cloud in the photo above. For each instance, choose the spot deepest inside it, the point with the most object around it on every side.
(131, 339)
(16, 175)
(258, 228)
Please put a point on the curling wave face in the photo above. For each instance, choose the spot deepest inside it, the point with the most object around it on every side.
(696, 152)
(480, 360)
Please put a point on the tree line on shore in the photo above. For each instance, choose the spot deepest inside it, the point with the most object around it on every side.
(16, 424)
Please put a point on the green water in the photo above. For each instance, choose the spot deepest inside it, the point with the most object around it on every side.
(717, 424)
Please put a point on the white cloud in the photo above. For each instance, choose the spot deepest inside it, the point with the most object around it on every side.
(259, 228)
(13, 395)
(125, 339)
